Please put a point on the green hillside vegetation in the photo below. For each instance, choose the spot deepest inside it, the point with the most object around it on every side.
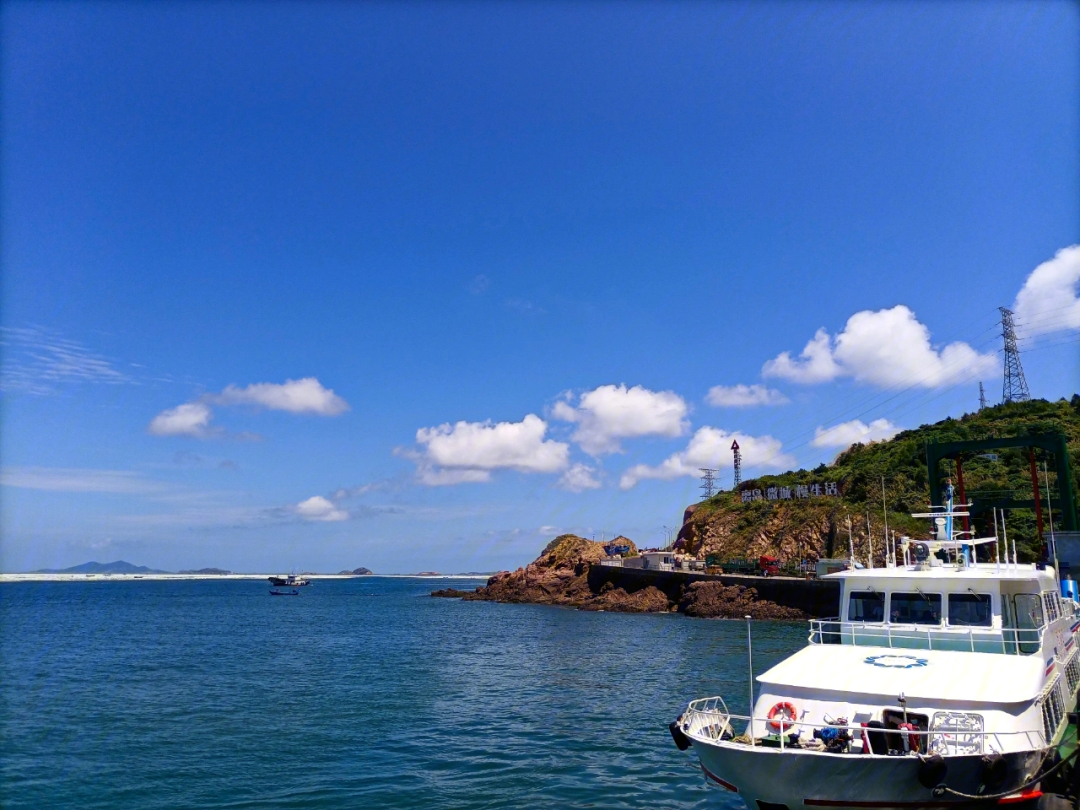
(818, 527)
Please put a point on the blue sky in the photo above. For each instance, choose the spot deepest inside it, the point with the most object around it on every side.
(416, 286)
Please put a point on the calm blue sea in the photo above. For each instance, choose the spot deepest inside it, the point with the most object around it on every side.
(358, 693)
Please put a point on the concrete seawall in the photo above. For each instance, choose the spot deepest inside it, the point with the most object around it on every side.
(818, 598)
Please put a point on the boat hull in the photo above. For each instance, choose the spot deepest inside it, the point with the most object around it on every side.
(768, 779)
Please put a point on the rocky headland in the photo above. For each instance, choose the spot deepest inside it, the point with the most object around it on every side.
(560, 576)
(799, 517)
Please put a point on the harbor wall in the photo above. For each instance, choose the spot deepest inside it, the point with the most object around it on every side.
(817, 598)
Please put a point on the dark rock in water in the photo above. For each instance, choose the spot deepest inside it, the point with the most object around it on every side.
(454, 593)
(356, 572)
(647, 600)
(220, 572)
(714, 600)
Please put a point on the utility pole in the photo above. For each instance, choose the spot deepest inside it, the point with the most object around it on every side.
(708, 481)
(738, 465)
(1015, 388)
(982, 397)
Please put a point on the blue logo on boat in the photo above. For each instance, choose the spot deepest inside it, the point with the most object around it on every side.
(896, 661)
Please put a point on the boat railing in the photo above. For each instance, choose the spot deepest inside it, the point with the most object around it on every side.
(951, 734)
(1008, 641)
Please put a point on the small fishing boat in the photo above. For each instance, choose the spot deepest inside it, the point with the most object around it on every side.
(289, 581)
(944, 682)
(279, 592)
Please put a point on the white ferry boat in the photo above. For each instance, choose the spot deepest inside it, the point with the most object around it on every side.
(943, 682)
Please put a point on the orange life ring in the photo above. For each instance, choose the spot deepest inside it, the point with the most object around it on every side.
(787, 713)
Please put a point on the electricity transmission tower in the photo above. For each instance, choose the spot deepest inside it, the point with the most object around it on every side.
(1015, 387)
(982, 397)
(708, 481)
(738, 465)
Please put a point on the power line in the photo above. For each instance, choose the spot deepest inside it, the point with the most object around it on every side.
(1052, 309)
(1053, 345)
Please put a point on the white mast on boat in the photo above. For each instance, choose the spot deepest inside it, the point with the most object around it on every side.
(885, 512)
(1050, 510)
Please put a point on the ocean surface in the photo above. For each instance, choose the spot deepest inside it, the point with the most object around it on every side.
(357, 693)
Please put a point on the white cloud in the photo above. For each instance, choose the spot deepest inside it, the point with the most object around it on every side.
(742, 396)
(817, 363)
(436, 477)
(1048, 301)
(295, 396)
(711, 447)
(847, 433)
(468, 451)
(189, 419)
(319, 508)
(884, 348)
(36, 360)
(67, 479)
(613, 412)
(579, 478)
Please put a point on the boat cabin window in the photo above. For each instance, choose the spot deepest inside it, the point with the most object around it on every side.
(1029, 612)
(970, 610)
(915, 608)
(1022, 618)
(1052, 612)
(866, 606)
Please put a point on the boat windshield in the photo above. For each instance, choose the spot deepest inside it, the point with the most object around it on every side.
(866, 606)
(970, 610)
(915, 608)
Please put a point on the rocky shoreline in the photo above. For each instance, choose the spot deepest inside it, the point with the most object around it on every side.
(560, 576)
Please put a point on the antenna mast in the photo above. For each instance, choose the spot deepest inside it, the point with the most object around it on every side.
(708, 481)
(1015, 388)
(738, 465)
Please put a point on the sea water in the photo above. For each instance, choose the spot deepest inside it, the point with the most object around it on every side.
(357, 693)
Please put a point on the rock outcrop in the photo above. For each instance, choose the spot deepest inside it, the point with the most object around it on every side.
(647, 600)
(714, 600)
(357, 572)
(454, 593)
(560, 576)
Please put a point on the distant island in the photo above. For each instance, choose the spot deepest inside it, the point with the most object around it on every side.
(356, 572)
(219, 572)
(429, 574)
(117, 567)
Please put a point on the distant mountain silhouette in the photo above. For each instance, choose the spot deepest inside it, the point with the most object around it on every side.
(118, 567)
(220, 572)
